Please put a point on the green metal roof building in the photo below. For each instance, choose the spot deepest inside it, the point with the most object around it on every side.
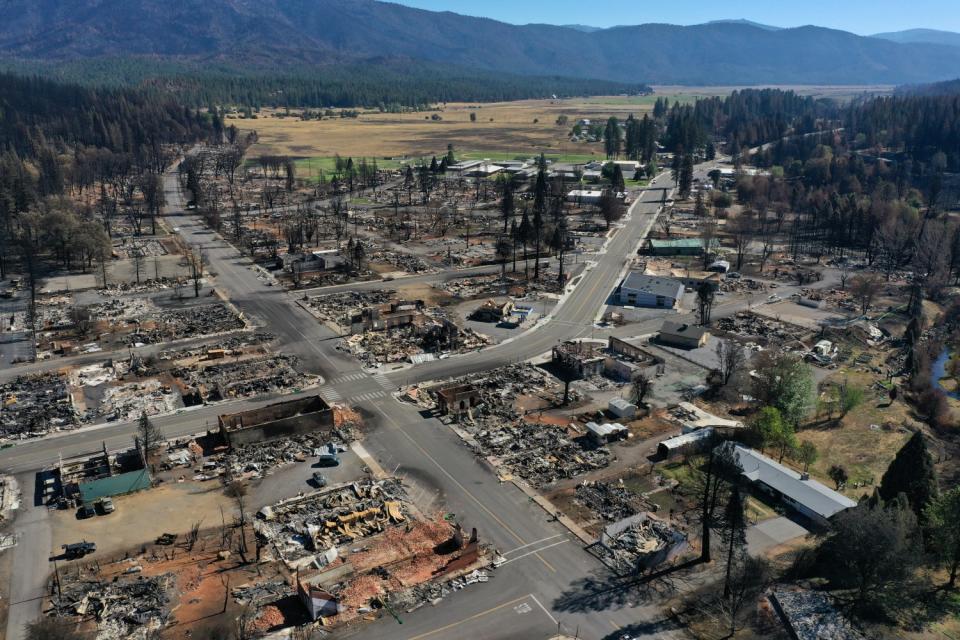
(118, 485)
(677, 246)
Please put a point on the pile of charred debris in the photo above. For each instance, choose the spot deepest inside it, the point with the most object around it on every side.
(232, 345)
(259, 458)
(402, 261)
(747, 324)
(123, 606)
(241, 378)
(639, 543)
(610, 501)
(542, 454)
(400, 330)
(471, 287)
(339, 307)
(190, 322)
(36, 404)
(306, 530)
(488, 407)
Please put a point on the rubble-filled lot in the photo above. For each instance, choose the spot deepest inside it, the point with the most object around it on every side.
(746, 324)
(127, 402)
(432, 334)
(515, 285)
(114, 321)
(301, 528)
(260, 459)
(339, 307)
(609, 500)
(190, 322)
(35, 405)
(218, 380)
(119, 599)
(501, 424)
(638, 543)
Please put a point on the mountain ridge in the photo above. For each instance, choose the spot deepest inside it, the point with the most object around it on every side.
(272, 33)
(922, 36)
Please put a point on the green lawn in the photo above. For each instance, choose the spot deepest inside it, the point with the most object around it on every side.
(495, 156)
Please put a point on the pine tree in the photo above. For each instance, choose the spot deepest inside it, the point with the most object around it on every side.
(912, 474)
(943, 521)
(735, 536)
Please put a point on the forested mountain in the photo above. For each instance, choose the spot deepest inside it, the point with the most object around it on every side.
(928, 36)
(276, 33)
(945, 88)
(386, 83)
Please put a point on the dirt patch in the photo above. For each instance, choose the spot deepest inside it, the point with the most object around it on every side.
(141, 517)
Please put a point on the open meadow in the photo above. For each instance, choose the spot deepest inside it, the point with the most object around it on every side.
(502, 130)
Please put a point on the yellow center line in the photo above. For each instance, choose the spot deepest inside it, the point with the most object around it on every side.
(462, 488)
(465, 620)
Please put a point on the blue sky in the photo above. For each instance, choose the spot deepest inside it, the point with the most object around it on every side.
(859, 16)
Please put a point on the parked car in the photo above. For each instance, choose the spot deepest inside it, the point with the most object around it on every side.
(86, 511)
(733, 275)
(78, 549)
(106, 506)
(319, 480)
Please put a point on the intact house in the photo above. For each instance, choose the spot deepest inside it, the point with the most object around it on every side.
(581, 197)
(682, 335)
(640, 290)
(806, 496)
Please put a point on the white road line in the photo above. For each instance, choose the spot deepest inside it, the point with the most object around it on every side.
(530, 553)
(530, 544)
(330, 395)
(549, 615)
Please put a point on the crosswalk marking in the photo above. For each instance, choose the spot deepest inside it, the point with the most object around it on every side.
(359, 375)
(330, 395)
(373, 395)
(383, 381)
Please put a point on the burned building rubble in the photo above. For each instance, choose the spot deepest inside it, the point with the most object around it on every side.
(119, 606)
(241, 378)
(278, 420)
(308, 529)
(609, 500)
(487, 407)
(638, 543)
(408, 335)
(35, 405)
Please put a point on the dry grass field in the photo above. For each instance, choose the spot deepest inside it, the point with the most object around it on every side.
(499, 127)
(503, 129)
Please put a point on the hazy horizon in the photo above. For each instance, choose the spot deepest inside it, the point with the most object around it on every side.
(862, 17)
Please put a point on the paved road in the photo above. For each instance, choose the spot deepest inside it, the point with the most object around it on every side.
(549, 577)
(31, 564)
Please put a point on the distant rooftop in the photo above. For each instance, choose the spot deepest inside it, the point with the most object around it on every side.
(682, 330)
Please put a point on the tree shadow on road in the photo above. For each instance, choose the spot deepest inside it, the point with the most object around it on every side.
(650, 628)
(603, 589)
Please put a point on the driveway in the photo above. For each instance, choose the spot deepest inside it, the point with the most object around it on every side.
(768, 534)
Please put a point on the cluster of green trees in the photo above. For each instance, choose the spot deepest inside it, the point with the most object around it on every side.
(875, 549)
(388, 85)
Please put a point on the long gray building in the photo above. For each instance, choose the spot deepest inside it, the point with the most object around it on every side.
(640, 290)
